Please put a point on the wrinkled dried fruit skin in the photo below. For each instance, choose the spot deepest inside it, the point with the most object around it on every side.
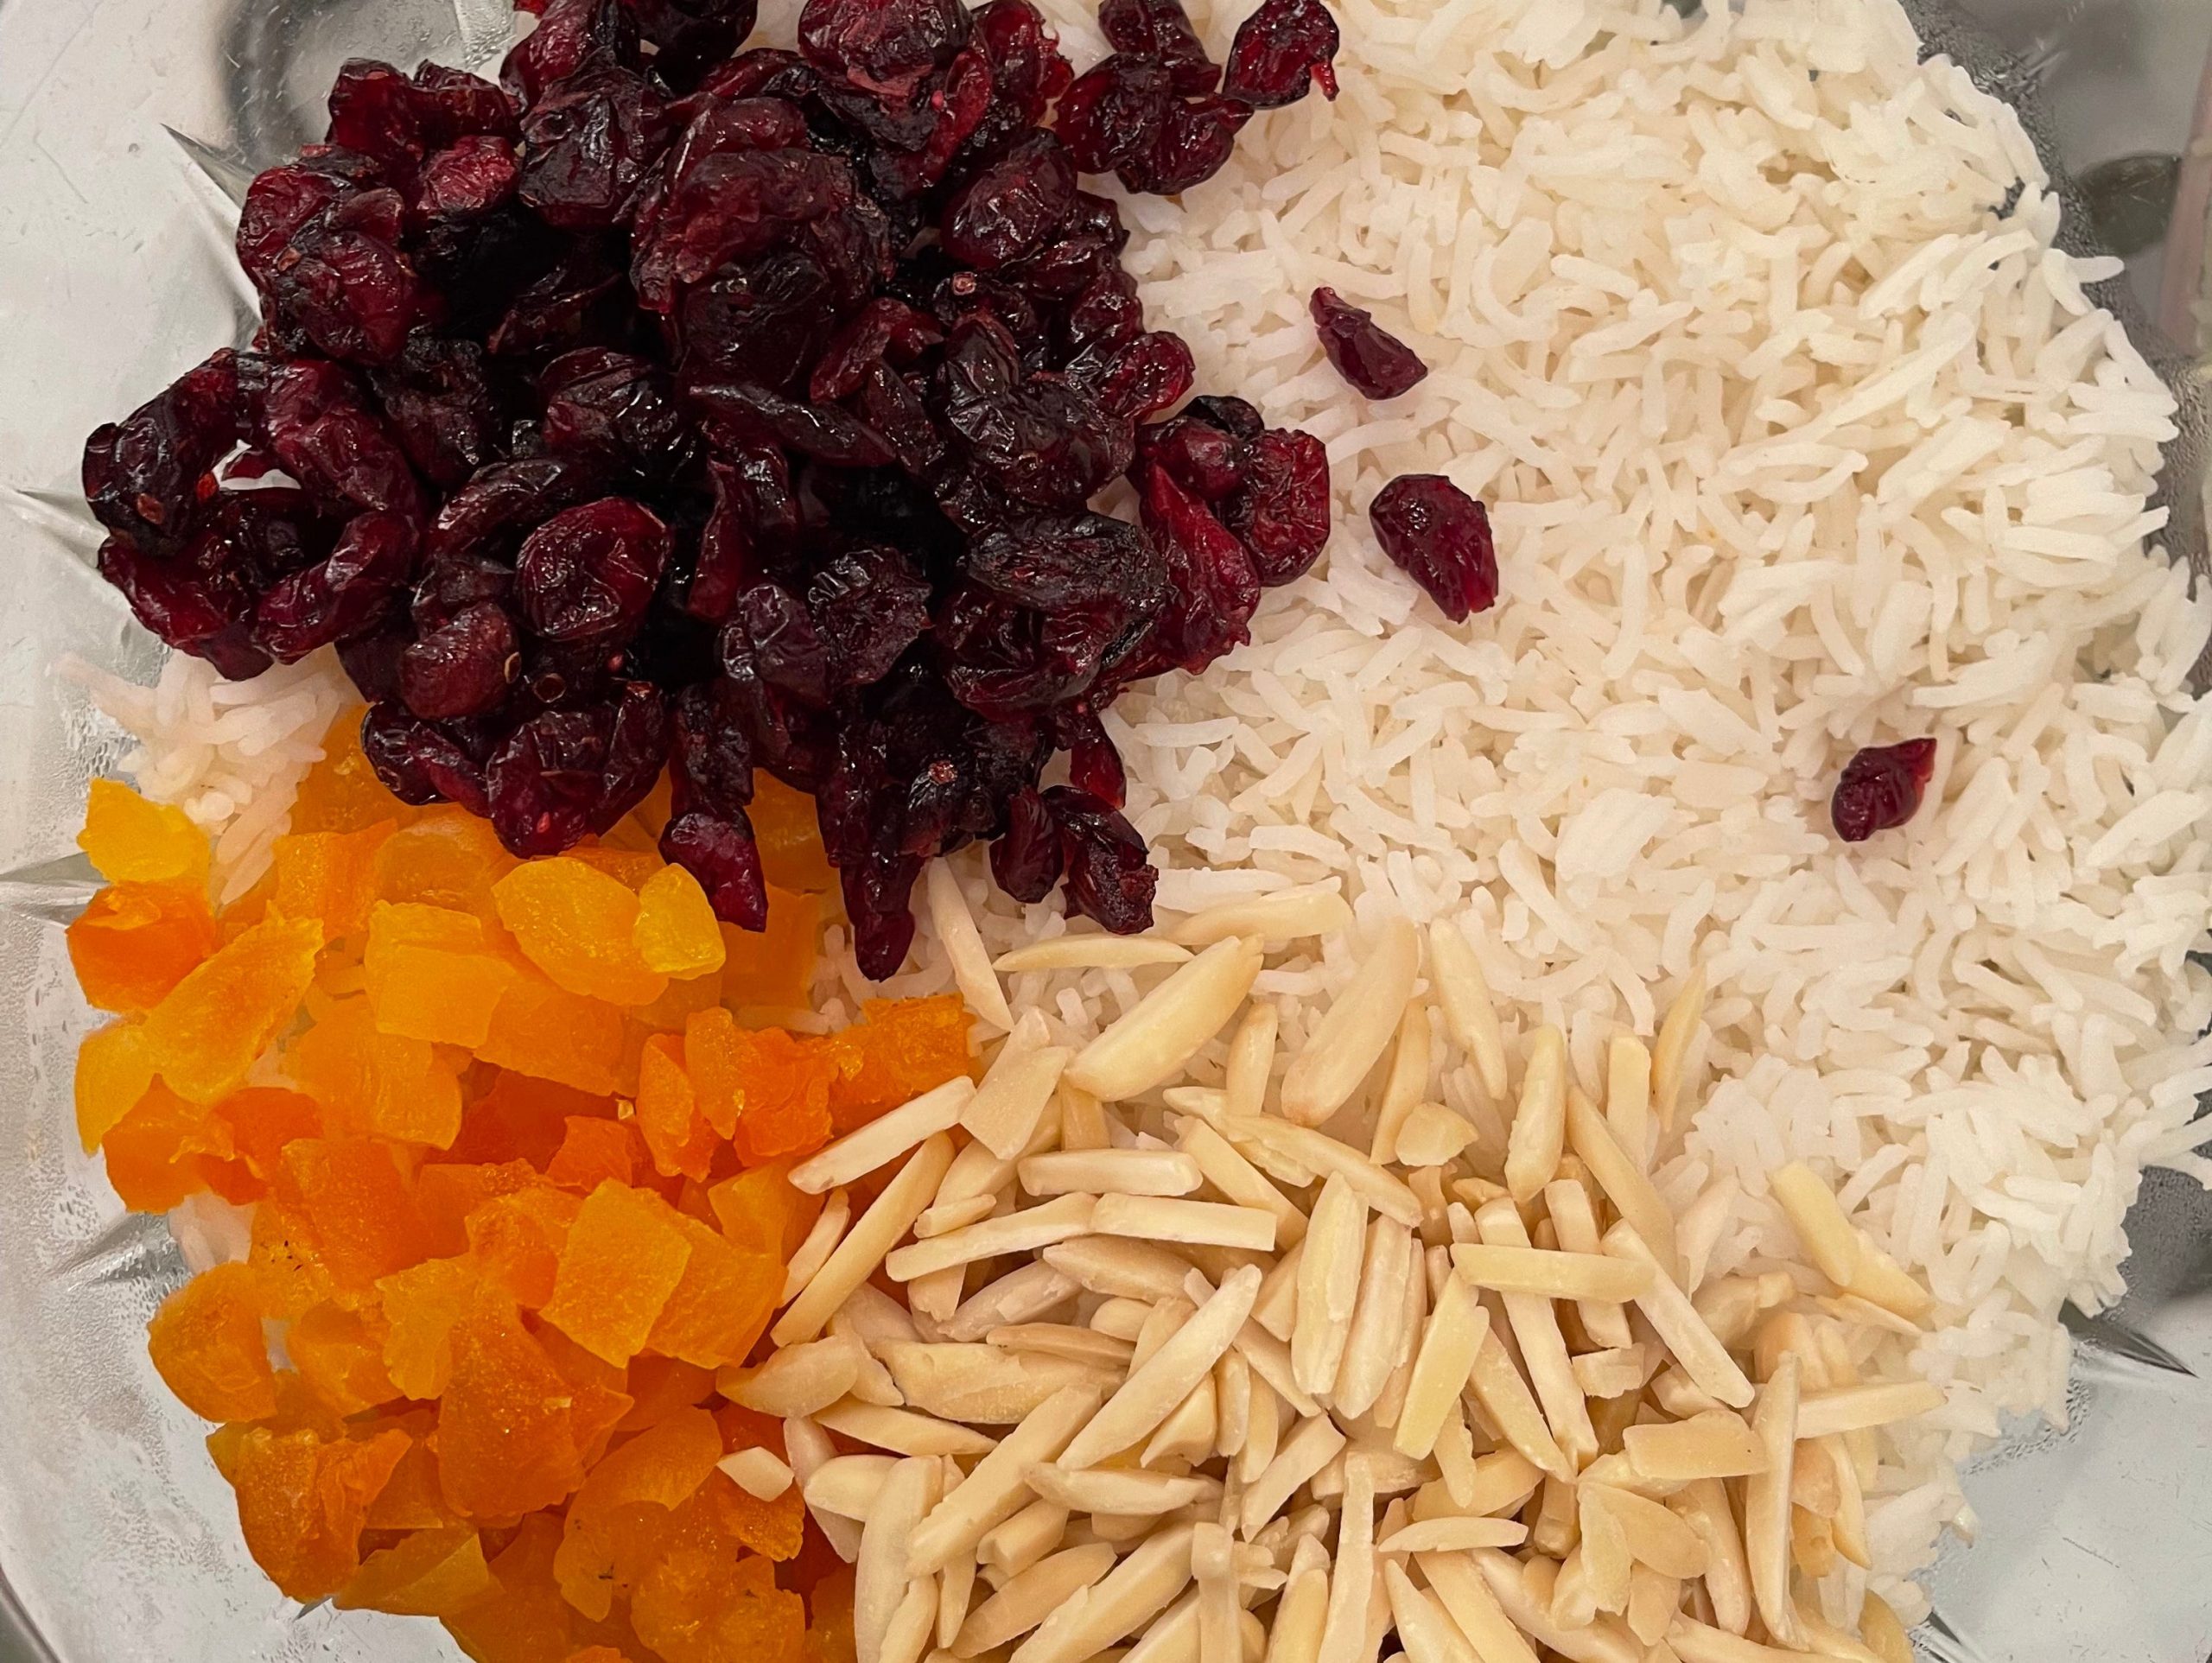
(1214, 585)
(1283, 512)
(1375, 361)
(1109, 878)
(1280, 51)
(1161, 30)
(462, 668)
(1439, 537)
(1009, 207)
(1881, 788)
(1112, 114)
(1194, 142)
(1027, 859)
(587, 575)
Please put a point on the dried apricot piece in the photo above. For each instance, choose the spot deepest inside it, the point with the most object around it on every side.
(721, 1305)
(631, 868)
(376, 1083)
(115, 1068)
(518, 1239)
(505, 1442)
(900, 1048)
(339, 1357)
(524, 1619)
(626, 1255)
(676, 932)
(517, 1117)
(329, 876)
(659, 1468)
(358, 1207)
(341, 792)
(546, 1032)
(448, 857)
(432, 974)
(783, 1090)
(161, 1151)
(421, 1307)
(209, 1346)
(449, 1191)
(206, 1035)
(682, 1001)
(597, 1654)
(706, 1599)
(131, 839)
(577, 926)
(283, 1249)
(659, 1387)
(760, 1211)
(774, 969)
(829, 1619)
(591, 1152)
(789, 833)
(262, 1120)
(427, 1575)
(134, 943)
(675, 1132)
(411, 1499)
(302, 1502)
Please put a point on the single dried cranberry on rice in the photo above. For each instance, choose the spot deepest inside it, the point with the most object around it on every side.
(1439, 537)
(1881, 788)
(1373, 360)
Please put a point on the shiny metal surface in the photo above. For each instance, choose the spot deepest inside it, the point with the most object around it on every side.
(127, 130)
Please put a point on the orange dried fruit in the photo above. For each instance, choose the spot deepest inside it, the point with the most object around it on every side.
(448, 857)
(358, 1208)
(658, 1469)
(262, 1121)
(505, 1442)
(676, 1134)
(215, 1024)
(597, 1654)
(433, 973)
(829, 1619)
(626, 1255)
(302, 1502)
(115, 1068)
(449, 1191)
(523, 1618)
(591, 1152)
(374, 1083)
(763, 1088)
(761, 1212)
(577, 926)
(427, 1575)
(411, 1499)
(208, 1345)
(676, 932)
(722, 1304)
(706, 1599)
(134, 943)
(898, 1049)
(659, 1387)
(329, 876)
(631, 866)
(283, 1249)
(133, 840)
(162, 1151)
(339, 1357)
(518, 1239)
(341, 792)
(788, 834)
(517, 1117)
(421, 1307)
(542, 1030)
(774, 969)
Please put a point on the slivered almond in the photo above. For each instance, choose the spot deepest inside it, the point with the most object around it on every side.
(1083, 1118)
(1672, 1049)
(855, 1258)
(1309, 1447)
(1854, 1408)
(1119, 1269)
(1883, 1635)
(1413, 1320)
(1027, 1599)
(979, 1384)
(1450, 1535)
(1352, 1577)
(797, 1380)
(1303, 1609)
(902, 1431)
(1457, 1326)
(1506, 1399)
(1405, 1084)
(954, 1216)
(955, 1592)
(1427, 1634)
(880, 1579)
(955, 924)
(1881, 1282)
(1703, 1505)
(1189, 1431)
(1539, 1129)
(1059, 1220)
(1610, 1374)
(1014, 1544)
(1124, 1319)
(1655, 1535)
(1766, 1502)
(809, 1447)
(1169, 1025)
(1232, 1385)
(1251, 1060)
(1378, 1315)
(1099, 952)
(1110, 1171)
(1470, 1014)
(1244, 1183)
(1346, 1042)
(1153, 1391)
(1628, 1096)
(1119, 1603)
(1321, 1155)
(1543, 1348)
(1023, 1295)
(1602, 1555)
(1549, 1274)
(1431, 1135)
(1062, 1340)
(1286, 915)
(1669, 1309)
(1462, 1591)
(906, 1636)
(997, 1487)
(1263, 1432)
(1106, 1489)
(1574, 1220)
(1715, 1444)
(883, 1139)
(1698, 1642)
(1698, 1231)
(1154, 1218)
(1830, 1240)
(829, 1228)
(1653, 1600)
(1502, 1480)
(1328, 1286)
(1525, 1596)
(1276, 1308)
(847, 1485)
(1003, 1113)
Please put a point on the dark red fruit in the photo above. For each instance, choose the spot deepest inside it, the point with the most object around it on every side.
(883, 46)
(462, 668)
(1151, 373)
(1011, 206)
(1376, 362)
(1027, 70)
(420, 762)
(1160, 30)
(567, 774)
(1283, 512)
(587, 145)
(1026, 860)
(588, 575)
(721, 854)
(341, 595)
(1194, 142)
(1109, 876)
(570, 34)
(1280, 51)
(1212, 586)
(1202, 459)
(1111, 115)
(1439, 537)
(142, 476)
(1881, 788)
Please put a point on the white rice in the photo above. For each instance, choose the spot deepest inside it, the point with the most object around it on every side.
(1799, 435)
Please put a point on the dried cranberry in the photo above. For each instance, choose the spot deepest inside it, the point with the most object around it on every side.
(615, 407)
(570, 34)
(1283, 512)
(1009, 207)
(884, 330)
(420, 762)
(1150, 374)
(439, 399)
(190, 614)
(1112, 114)
(588, 143)
(872, 605)
(340, 596)
(469, 178)
(720, 852)
(789, 650)
(1160, 30)
(1439, 537)
(1193, 143)
(328, 261)
(1106, 314)
(1881, 788)
(1094, 765)
(1202, 459)
(1281, 49)
(144, 476)
(1058, 561)
(878, 891)
(881, 45)
(1232, 416)
(1213, 590)
(1376, 362)
(1027, 70)
(1035, 437)
(757, 417)
(506, 499)
(566, 774)
(1026, 860)
(462, 668)
(317, 424)
(1109, 874)
(711, 751)
(587, 574)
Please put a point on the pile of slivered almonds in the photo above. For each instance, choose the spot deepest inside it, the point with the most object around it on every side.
(1171, 1368)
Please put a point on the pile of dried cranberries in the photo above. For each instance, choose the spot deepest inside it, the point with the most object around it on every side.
(671, 404)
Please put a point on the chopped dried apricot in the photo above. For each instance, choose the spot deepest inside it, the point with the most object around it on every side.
(760, 1211)
(774, 969)
(524, 1619)
(722, 1304)
(631, 868)
(659, 1387)
(626, 1255)
(706, 1599)
(658, 1469)
(357, 1205)
(374, 1083)
(283, 1249)
(427, 1575)
(448, 858)
(208, 1345)
(329, 876)
(262, 1120)
(676, 932)
(421, 1307)
(518, 1239)
(302, 1502)
(829, 1619)
(449, 1191)
(133, 840)
(544, 1031)
(114, 1068)
(208, 1034)
(577, 926)
(506, 1445)
(593, 1151)
(519, 1117)
(432, 974)
(134, 943)
(900, 1048)
(341, 792)
(781, 1085)
(161, 1151)
(339, 1357)
(676, 1134)
(789, 832)
(411, 1499)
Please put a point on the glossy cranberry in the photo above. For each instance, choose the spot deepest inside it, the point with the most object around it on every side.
(1094, 764)
(420, 762)
(1149, 374)
(881, 45)
(568, 773)
(587, 145)
(144, 476)
(1283, 512)
(1027, 70)
(1280, 51)
(1376, 362)
(1214, 589)
(1439, 537)
(1035, 437)
(1160, 30)
(1110, 875)
(1881, 788)
(469, 179)
(615, 407)
(317, 424)
(587, 574)
(1009, 207)
(790, 649)
(570, 34)
(872, 605)
(721, 854)
(350, 590)
(710, 749)
(1026, 860)
(1202, 459)
(1193, 143)
(755, 416)
(440, 400)
(489, 514)
(883, 331)
(462, 668)
(1056, 561)
(1112, 114)
(190, 613)
(878, 891)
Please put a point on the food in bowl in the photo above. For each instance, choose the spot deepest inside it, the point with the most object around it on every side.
(1626, 999)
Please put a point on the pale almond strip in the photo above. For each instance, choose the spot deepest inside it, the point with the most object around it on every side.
(902, 1431)
(1251, 1060)
(1211, 1223)
(1012, 1546)
(883, 1139)
(1656, 1535)
(1262, 1430)
(1276, 1309)
(1697, 1232)
(1431, 1136)
(1413, 1321)
(1173, 1636)
(1109, 1489)
(1099, 952)
(1566, 1203)
(1464, 1592)
(957, 933)
(1715, 1444)
(1059, 1220)
(1378, 1315)
(1830, 1240)
(822, 1239)
(997, 1489)
(889, 1217)
(1454, 1534)
(1062, 1340)
(847, 1485)
(1153, 1391)
(1020, 1296)
(1628, 1096)
(1119, 1269)
(1353, 1575)
(1082, 1119)
(1286, 915)
(1539, 1130)
(1405, 1084)
(1698, 1642)
(954, 1216)
(1470, 1014)
(797, 1380)
(1883, 1635)
(1027, 1599)
(1855, 1408)
(1622, 1178)
(1122, 1601)
(1110, 1171)
(955, 1592)
(1303, 1609)
(1427, 1634)
(1458, 1327)
(1243, 1183)
(1124, 1319)
(1526, 1600)
(1506, 1399)
(1543, 1348)
(1348, 1039)
(1601, 1561)
(906, 1636)
(1167, 1025)
(1322, 1155)
(759, 1472)
(1766, 1502)
(980, 1384)
(1328, 1286)
(1232, 1385)
(1703, 1505)
(1305, 1452)
(1006, 1109)
(1669, 1309)
(1551, 1274)
(1611, 1373)
(1653, 1600)
(809, 1448)
(1220, 1632)
(881, 1579)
